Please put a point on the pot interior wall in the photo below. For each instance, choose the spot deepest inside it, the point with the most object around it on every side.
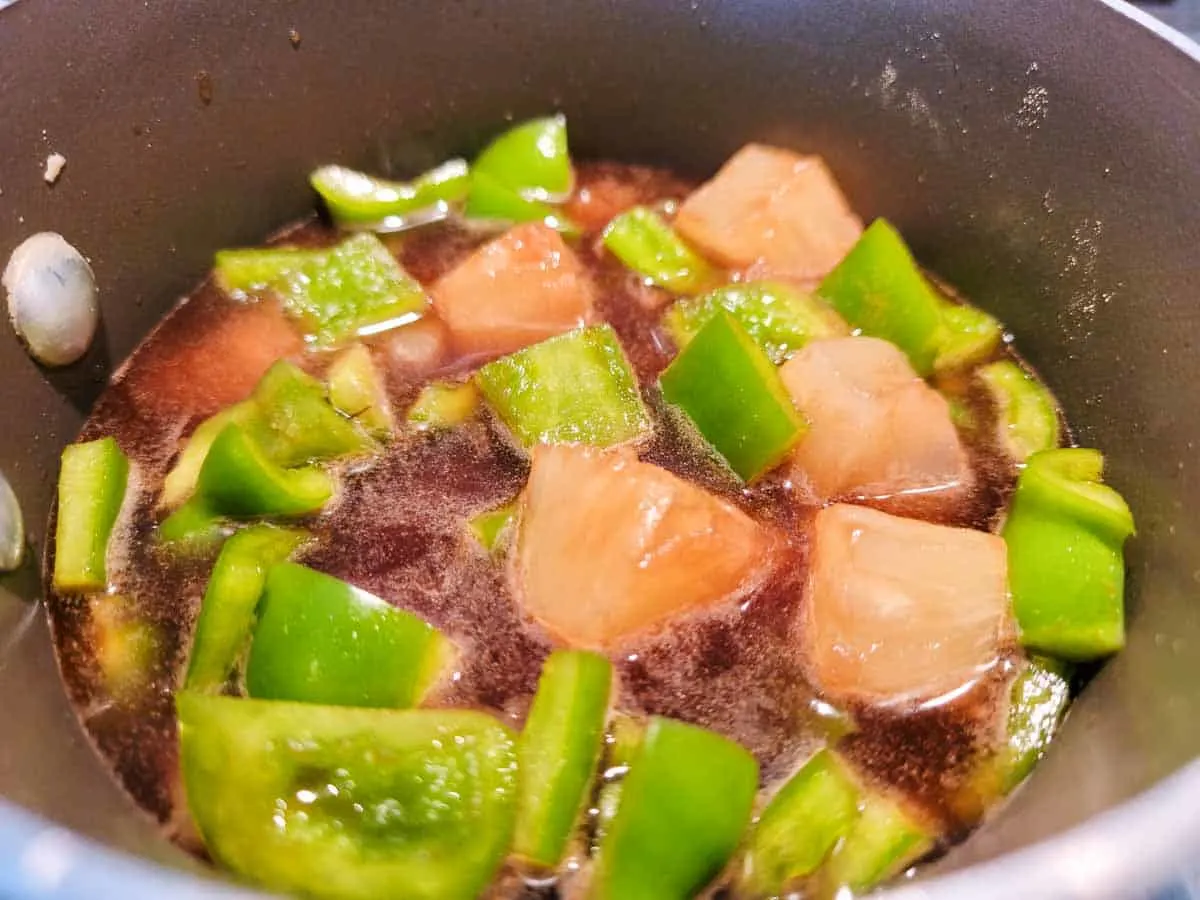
(1040, 157)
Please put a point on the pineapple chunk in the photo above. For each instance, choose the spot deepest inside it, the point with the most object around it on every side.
(772, 210)
(609, 546)
(876, 430)
(899, 609)
(521, 288)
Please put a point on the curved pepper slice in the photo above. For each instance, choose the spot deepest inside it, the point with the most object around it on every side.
(356, 200)
(1066, 569)
(181, 480)
(779, 317)
(296, 424)
(349, 804)
(492, 201)
(531, 159)
(733, 393)
(91, 489)
(970, 335)
(683, 807)
(559, 748)
(354, 288)
(1038, 701)
(227, 611)
(641, 239)
(357, 389)
(321, 640)
(883, 841)
(814, 810)
(1027, 413)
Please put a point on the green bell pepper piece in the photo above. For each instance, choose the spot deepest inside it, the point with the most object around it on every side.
(349, 804)
(779, 317)
(489, 528)
(1066, 570)
(1026, 412)
(227, 611)
(491, 201)
(732, 392)
(685, 802)
(181, 480)
(442, 405)
(576, 387)
(1038, 701)
(354, 288)
(559, 747)
(643, 241)
(883, 841)
(815, 809)
(239, 480)
(91, 489)
(296, 423)
(194, 528)
(531, 159)
(320, 640)
(970, 335)
(357, 390)
(879, 289)
(624, 739)
(356, 200)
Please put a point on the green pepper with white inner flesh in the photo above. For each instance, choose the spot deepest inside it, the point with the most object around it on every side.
(359, 201)
(559, 747)
(1065, 531)
(643, 241)
(349, 804)
(1027, 416)
(321, 640)
(354, 288)
(230, 599)
(574, 388)
(683, 808)
(357, 390)
(91, 490)
(732, 392)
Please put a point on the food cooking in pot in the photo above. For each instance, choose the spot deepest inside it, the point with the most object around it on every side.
(538, 528)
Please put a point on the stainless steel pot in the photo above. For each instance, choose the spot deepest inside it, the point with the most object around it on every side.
(1042, 156)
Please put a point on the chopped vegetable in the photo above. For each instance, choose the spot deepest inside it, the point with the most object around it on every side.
(1037, 703)
(349, 804)
(559, 748)
(320, 640)
(1065, 531)
(732, 392)
(642, 240)
(879, 289)
(443, 404)
(901, 609)
(356, 200)
(781, 318)
(576, 388)
(609, 546)
(969, 336)
(492, 202)
(295, 423)
(491, 527)
(684, 805)
(356, 388)
(622, 743)
(12, 528)
(521, 288)
(1026, 412)
(531, 159)
(772, 209)
(239, 480)
(51, 298)
(876, 430)
(234, 588)
(91, 489)
(883, 841)
(354, 288)
(181, 480)
(125, 646)
(193, 527)
(804, 821)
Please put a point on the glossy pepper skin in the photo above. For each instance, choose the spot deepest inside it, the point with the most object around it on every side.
(356, 200)
(230, 599)
(558, 751)
(683, 808)
(321, 640)
(732, 392)
(1065, 532)
(91, 489)
(349, 804)
(643, 241)
(883, 841)
(531, 159)
(295, 423)
(357, 390)
(1027, 413)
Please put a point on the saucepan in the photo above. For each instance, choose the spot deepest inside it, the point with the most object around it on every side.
(1041, 156)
